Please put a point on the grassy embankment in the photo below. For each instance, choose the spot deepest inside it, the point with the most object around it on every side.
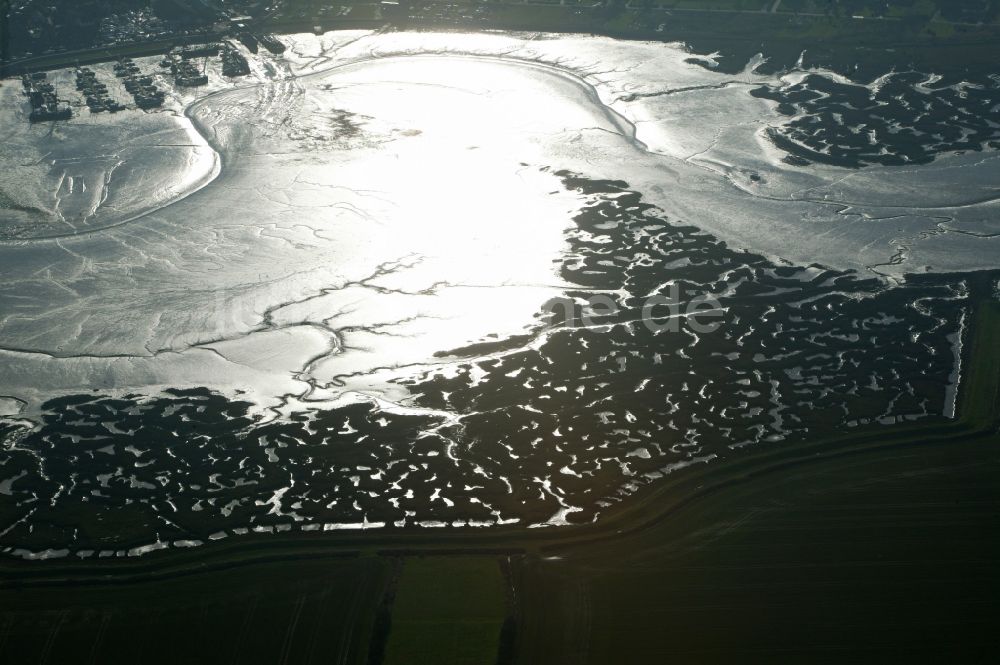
(849, 41)
(308, 612)
(447, 610)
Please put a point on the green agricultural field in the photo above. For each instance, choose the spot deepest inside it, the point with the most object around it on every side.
(316, 611)
(874, 558)
(447, 611)
(891, 545)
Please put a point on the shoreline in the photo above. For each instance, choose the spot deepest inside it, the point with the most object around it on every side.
(977, 421)
(496, 532)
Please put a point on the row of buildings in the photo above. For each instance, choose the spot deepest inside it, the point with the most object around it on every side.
(234, 63)
(140, 86)
(187, 74)
(182, 63)
(254, 42)
(95, 93)
(45, 105)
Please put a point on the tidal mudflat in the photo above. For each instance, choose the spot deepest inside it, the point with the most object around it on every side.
(342, 303)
